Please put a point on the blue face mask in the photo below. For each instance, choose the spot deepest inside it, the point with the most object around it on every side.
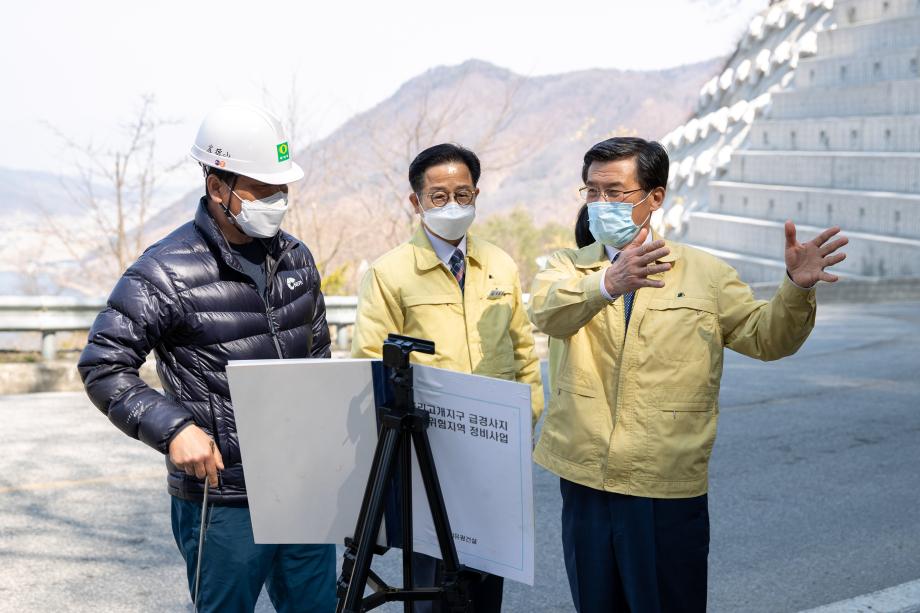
(611, 223)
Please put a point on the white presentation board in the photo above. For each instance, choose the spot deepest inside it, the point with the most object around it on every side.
(481, 441)
(308, 430)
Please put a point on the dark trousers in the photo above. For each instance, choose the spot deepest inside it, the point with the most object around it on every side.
(626, 553)
(486, 593)
(298, 578)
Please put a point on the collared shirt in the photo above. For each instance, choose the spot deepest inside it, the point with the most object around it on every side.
(443, 249)
(613, 252)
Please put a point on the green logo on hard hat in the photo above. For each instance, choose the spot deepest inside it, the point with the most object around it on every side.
(283, 152)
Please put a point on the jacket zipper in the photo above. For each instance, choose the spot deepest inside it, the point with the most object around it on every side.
(274, 335)
(269, 310)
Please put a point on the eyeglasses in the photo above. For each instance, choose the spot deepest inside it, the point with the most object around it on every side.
(593, 194)
(461, 197)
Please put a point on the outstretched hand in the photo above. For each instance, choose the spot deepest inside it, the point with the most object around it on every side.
(806, 261)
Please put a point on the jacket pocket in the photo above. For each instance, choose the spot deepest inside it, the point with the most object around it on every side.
(429, 299)
(574, 387)
(493, 328)
(680, 329)
(431, 314)
(682, 430)
(573, 426)
(437, 317)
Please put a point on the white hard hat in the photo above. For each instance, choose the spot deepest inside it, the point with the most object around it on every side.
(247, 140)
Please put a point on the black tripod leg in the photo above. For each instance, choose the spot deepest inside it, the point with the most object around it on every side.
(436, 502)
(352, 543)
(405, 474)
(366, 501)
(380, 476)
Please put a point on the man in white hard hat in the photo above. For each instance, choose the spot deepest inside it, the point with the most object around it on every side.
(228, 285)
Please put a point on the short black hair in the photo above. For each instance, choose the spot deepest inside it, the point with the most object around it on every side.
(652, 165)
(442, 154)
(652, 162)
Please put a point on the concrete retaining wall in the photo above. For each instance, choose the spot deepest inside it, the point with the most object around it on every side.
(869, 37)
(891, 214)
(861, 11)
(848, 70)
(891, 172)
(885, 98)
(868, 255)
(899, 133)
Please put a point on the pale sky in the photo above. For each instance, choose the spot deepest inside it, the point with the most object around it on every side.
(82, 66)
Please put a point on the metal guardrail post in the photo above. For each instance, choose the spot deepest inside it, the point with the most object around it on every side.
(341, 338)
(49, 345)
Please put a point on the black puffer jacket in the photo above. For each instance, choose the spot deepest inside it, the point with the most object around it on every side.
(187, 299)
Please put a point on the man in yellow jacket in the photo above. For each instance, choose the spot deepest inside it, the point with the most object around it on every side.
(637, 329)
(461, 292)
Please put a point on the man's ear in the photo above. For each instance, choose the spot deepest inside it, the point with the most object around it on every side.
(416, 206)
(656, 199)
(213, 185)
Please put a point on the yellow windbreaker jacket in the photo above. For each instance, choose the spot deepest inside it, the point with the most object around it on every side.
(634, 410)
(483, 330)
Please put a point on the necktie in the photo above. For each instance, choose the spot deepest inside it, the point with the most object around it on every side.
(627, 298)
(627, 305)
(458, 266)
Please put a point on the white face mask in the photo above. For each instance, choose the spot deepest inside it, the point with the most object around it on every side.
(261, 218)
(450, 221)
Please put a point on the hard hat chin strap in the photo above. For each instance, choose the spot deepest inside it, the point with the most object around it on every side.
(226, 210)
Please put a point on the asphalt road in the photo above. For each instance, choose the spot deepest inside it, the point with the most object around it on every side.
(815, 488)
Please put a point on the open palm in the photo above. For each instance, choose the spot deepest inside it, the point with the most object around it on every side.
(806, 262)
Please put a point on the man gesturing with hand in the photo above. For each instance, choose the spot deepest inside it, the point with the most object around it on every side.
(631, 268)
(637, 328)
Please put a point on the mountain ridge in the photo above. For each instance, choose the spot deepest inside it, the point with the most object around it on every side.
(530, 132)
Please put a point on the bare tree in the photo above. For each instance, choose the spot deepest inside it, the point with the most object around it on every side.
(113, 193)
(352, 203)
(307, 217)
(394, 153)
(393, 148)
(311, 220)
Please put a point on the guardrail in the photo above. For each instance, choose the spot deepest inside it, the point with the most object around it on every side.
(52, 314)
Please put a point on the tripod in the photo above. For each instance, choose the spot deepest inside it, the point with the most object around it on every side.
(402, 426)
